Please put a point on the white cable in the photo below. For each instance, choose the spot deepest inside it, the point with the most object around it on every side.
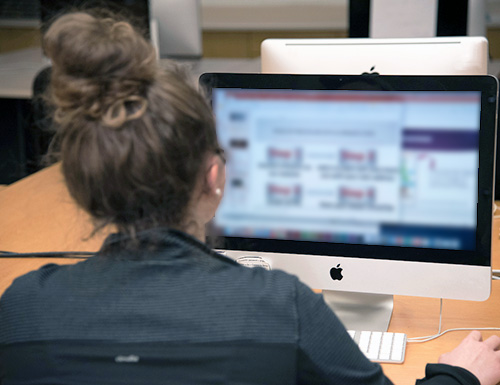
(440, 333)
(430, 338)
(425, 338)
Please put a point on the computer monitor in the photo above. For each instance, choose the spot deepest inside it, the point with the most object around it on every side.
(176, 28)
(464, 55)
(360, 184)
(410, 56)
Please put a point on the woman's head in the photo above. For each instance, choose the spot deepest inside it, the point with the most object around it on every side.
(136, 140)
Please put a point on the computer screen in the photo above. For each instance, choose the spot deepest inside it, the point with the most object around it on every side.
(388, 178)
(361, 167)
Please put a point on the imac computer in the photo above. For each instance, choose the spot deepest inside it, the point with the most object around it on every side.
(372, 185)
(410, 56)
(464, 55)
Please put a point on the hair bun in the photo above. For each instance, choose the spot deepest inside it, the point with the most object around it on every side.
(123, 110)
(97, 61)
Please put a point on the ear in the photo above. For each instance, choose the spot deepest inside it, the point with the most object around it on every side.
(211, 177)
(215, 177)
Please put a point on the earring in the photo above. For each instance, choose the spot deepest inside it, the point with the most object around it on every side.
(218, 191)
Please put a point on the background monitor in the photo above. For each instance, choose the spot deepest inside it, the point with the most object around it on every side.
(384, 181)
(176, 26)
(405, 56)
(464, 55)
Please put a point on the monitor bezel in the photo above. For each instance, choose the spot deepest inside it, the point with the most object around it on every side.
(487, 85)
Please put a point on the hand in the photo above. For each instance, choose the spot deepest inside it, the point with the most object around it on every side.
(481, 358)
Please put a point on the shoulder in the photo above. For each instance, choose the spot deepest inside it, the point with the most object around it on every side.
(277, 281)
(30, 282)
(23, 295)
(21, 300)
(29, 285)
(281, 282)
(273, 290)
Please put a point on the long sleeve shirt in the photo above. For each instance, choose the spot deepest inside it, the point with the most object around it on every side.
(168, 310)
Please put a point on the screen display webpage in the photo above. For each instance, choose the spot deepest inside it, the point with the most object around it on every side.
(392, 168)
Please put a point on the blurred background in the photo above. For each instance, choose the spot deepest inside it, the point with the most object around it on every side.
(210, 35)
(234, 28)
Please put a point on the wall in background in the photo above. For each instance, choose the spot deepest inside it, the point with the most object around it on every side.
(274, 15)
(246, 44)
(14, 38)
(235, 28)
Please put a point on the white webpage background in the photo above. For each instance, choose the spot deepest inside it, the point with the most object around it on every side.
(378, 127)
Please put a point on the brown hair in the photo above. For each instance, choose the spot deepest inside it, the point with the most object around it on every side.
(132, 136)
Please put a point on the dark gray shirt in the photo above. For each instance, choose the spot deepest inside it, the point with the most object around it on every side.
(168, 310)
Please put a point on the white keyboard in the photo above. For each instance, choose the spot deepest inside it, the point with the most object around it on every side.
(381, 346)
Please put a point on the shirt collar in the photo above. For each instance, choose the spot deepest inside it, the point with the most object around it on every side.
(156, 243)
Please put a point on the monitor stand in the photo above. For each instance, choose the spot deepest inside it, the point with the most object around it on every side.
(361, 311)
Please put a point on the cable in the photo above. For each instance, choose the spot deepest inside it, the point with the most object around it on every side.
(49, 254)
(440, 333)
(425, 338)
(430, 338)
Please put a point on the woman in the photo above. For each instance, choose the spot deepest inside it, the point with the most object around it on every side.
(139, 151)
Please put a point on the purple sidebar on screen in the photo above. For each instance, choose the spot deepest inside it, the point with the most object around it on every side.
(444, 140)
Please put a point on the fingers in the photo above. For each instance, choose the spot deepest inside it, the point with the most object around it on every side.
(493, 342)
(475, 335)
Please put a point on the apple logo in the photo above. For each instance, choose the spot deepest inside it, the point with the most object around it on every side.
(372, 72)
(336, 273)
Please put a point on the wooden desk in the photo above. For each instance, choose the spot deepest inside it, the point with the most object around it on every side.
(38, 215)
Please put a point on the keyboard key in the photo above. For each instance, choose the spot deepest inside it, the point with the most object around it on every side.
(398, 347)
(374, 348)
(364, 341)
(385, 349)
